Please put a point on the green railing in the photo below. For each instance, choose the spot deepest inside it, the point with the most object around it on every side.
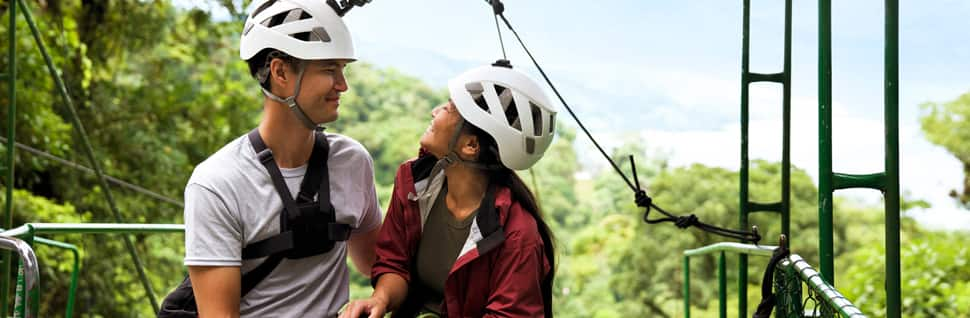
(28, 232)
(789, 276)
(829, 302)
(721, 249)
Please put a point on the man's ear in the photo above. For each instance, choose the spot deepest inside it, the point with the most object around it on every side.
(469, 148)
(279, 71)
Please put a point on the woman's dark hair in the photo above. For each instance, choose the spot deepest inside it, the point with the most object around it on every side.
(521, 194)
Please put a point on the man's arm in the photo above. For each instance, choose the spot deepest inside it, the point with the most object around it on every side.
(217, 290)
(361, 250)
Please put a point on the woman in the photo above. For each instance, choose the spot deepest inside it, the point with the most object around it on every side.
(463, 236)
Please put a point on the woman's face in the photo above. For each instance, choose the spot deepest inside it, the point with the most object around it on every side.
(444, 120)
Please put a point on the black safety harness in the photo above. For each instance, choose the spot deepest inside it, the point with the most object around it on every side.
(308, 227)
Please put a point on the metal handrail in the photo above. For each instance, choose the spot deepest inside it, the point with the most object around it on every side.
(29, 230)
(31, 272)
(721, 248)
(814, 280)
(92, 228)
(749, 249)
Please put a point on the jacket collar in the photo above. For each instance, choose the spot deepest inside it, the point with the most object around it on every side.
(486, 231)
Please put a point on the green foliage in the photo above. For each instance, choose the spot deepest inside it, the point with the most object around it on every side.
(948, 125)
(935, 276)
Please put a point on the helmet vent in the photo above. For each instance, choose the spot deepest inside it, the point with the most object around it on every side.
(319, 34)
(475, 90)
(286, 17)
(536, 119)
(530, 145)
(511, 112)
(265, 5)
(552, 123)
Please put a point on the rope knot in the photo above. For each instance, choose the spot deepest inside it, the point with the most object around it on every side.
(686, 221)
(643, 200)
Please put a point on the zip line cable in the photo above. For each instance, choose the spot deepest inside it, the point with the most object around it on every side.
(641, 197)
(500, 41)
(116, 181)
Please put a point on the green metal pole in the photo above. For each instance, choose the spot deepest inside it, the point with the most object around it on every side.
(826, 255)
(11, 125)
(786, 143)
(89, 152)
(72, 292)
(686, 286)
(893, 293)
(743, 217)
(722, 285)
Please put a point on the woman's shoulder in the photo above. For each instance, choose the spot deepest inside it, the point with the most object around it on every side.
(519, 224)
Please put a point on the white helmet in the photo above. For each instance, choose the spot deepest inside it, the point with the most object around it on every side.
(304, 29)
(506, 97)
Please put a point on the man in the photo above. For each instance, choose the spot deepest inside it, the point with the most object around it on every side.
(297, 49)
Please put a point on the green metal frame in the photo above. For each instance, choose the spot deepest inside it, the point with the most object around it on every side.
(747, 207)
(721, 249)
(886, 181)
(28, 233)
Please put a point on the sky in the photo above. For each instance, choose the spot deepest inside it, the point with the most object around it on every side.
(668, 72)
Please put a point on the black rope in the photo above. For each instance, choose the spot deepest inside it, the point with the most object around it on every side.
(500, 41)
(641, 197)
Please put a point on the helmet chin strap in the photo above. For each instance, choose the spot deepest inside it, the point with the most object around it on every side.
(452, 158)
(291, 101)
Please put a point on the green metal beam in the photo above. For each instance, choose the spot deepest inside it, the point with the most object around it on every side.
(786, 130)
(746, 79)
(89, 153)
(893, 291)
(773, 77)
(722, 285)
(75, 270)
(754, 207)
(875, 181)
(686, 286)
(5, 256)
(825, 182)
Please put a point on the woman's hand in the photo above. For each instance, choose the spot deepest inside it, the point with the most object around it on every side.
(373, 307)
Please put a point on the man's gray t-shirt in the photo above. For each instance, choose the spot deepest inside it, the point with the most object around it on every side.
(230, 202)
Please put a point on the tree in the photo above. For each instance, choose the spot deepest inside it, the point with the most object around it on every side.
(948, 125)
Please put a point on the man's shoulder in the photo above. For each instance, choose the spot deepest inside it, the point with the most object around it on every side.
(226, 165)
(344, 148)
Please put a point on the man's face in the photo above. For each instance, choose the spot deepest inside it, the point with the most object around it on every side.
(323, 82)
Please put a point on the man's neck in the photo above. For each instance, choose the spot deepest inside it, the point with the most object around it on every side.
(283, 133)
